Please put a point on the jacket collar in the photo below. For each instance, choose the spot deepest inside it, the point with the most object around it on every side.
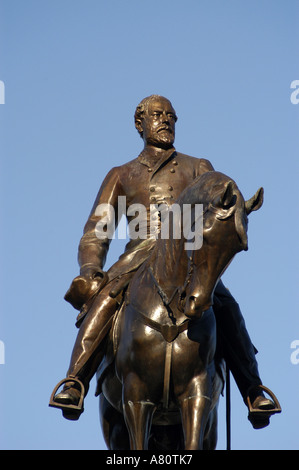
(155, 159)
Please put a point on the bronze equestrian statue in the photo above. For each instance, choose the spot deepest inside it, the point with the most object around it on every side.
(161, 175)
(165, 377)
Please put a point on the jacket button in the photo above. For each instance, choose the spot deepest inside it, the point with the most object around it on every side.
(172, 170)
(149, 170)
(170, 188)
(152, 189)
(174, 162)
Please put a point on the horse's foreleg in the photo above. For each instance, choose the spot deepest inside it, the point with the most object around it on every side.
(138, 413)
(195, 407)
(195, 411)
(138, 417)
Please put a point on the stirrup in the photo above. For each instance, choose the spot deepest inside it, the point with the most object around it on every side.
(70, 411)
(261, 418)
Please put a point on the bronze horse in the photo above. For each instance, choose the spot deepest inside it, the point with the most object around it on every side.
(162, 386)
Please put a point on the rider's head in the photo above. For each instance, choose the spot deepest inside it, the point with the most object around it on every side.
(155, 121)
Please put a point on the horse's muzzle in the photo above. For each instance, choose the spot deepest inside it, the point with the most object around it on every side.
(194, 307)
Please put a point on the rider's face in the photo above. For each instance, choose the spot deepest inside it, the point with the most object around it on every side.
(158, 124)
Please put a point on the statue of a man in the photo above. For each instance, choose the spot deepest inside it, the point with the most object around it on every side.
(158, 175)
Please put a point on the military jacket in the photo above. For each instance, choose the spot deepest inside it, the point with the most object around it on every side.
(150, 178)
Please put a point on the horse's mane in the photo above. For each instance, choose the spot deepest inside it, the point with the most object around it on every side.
(201, 191)
(203, 188)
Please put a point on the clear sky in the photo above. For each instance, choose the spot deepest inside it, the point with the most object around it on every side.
(74, 72)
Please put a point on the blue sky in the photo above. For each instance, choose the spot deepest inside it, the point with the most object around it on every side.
(74, 72)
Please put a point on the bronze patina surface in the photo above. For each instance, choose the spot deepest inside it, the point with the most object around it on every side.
(159, 327)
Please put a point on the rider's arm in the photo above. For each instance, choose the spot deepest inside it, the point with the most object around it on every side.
(92, 249)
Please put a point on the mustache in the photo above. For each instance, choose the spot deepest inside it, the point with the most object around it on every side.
(165, 128)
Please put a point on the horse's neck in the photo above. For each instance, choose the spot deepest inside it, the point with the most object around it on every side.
(169, 263)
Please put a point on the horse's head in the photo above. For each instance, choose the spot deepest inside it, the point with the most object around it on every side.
(224, 234)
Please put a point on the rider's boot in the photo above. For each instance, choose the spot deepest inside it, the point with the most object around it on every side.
(239, 354)
(87, 354)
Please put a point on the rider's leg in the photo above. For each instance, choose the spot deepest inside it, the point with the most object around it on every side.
(88, 350)
(238, 349)
(93, 330)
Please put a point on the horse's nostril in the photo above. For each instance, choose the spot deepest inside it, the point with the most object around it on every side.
(192, 302)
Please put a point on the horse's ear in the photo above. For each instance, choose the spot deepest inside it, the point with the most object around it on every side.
(228, 198)
(254, 203)
(225, 204)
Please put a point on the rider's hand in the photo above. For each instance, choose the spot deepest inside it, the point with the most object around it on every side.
(91, 272)
(85, 285)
